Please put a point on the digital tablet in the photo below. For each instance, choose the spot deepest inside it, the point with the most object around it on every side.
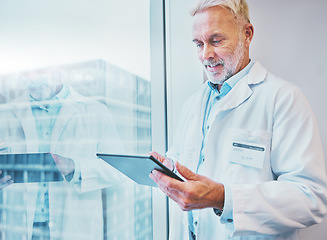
(138, 168)
(30, 167)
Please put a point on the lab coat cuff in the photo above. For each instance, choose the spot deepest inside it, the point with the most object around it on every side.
(77, 174)
(227, 216)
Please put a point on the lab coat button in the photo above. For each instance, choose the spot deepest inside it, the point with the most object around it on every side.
(229, 220)
(196, 223)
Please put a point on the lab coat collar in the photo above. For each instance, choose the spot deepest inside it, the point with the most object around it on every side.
(257, 74)
(243, 89)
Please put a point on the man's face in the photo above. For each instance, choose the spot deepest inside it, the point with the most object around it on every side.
(219, 42)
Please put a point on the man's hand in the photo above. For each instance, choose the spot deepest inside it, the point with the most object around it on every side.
(65, 165)
(197, 192)
(164, 160)
(5, 181)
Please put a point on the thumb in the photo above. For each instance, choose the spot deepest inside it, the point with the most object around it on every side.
(185, 172)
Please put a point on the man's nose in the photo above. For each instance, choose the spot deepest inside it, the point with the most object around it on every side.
(208, 52)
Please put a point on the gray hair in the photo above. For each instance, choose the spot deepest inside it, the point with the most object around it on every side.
(238, 7)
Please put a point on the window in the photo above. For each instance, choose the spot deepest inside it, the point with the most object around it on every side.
(75, 80)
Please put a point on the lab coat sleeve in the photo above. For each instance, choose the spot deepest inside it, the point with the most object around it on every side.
(227, 216)
(297, 198)
(94, 173)
(97, 175)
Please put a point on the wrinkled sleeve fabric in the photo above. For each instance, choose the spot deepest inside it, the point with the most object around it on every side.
(93, 173)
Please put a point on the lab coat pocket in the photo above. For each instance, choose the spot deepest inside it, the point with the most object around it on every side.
(249, 148)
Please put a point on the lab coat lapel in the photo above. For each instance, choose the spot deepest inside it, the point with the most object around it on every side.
(197, 116)
(242, 90)
(67, 111)
(239, 94)
(25, 116)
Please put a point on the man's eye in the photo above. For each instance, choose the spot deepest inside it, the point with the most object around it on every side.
(216, 42)
(199, 45)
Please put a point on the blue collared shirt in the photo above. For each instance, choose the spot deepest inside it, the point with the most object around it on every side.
(212, 105)
(45, 114)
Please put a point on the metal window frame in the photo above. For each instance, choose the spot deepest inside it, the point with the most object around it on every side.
(159, 109)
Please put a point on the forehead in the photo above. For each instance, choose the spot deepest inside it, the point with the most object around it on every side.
(214, 20)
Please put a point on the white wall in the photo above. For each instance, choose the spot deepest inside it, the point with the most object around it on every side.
(289, 41)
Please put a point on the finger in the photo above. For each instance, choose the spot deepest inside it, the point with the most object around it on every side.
(5, 179)
(171, 193)
(158, 156)
(185, 172)
(168, 181)
(2, 186)
(55, 157)
(164, 185)
(154, 154)
(168, 163)
(164, 160)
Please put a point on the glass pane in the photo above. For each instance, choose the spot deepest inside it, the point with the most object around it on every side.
(75, 81)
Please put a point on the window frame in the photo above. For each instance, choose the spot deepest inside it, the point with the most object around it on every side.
(158, 110)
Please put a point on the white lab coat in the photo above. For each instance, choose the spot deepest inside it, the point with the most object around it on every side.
(272, 201)
(83, 128)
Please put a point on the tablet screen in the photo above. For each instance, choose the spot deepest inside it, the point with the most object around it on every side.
(30, 167)
(137, 168)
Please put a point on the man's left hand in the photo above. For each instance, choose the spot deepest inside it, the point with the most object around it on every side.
(196, 192)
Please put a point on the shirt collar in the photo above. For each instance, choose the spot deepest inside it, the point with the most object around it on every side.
(231, 82)
(63, 93)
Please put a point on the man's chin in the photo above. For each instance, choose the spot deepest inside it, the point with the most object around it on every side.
(217, 78)
(218, 81)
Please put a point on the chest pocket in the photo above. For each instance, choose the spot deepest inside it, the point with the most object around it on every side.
(249, 148)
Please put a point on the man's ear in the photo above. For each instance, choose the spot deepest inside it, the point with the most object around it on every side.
(249, 32)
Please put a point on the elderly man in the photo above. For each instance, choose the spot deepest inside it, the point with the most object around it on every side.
(252, 157)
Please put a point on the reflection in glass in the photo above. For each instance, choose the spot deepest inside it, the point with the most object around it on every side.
(74, 81)
(32, 167)
(50, 116)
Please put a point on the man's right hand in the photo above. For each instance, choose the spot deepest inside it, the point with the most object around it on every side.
(5, 181)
